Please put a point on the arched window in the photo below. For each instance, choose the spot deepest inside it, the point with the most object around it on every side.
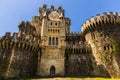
(56, 41)
(53, 41)
(49, 40)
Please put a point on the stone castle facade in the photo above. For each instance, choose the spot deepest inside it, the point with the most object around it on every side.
(46, 47)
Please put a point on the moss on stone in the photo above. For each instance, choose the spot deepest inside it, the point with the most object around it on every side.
(68, 53)
(115, 46)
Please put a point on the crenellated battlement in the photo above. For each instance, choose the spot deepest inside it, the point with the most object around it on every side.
(8, 44)
(44, 11)
(19, 41)
(68, 21)
(27, 28)
(74, 36)
(75, 33)
(79, 50)
(105, 18)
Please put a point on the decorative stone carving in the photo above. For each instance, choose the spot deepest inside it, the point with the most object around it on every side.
(54, 16)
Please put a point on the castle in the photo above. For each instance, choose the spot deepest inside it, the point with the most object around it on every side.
(46, 47)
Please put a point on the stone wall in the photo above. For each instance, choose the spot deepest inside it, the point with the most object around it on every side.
(105, 47)
(18, 58)
(78, 62)
(103, 36)
(4, 60)
(22, 63)
(79, 65)
(52, 56)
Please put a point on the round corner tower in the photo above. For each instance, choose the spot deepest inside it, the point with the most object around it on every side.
(53, 33)
(102, 33)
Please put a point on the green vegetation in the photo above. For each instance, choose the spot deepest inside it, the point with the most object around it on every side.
(106, 55)
(114, 50)
(71, 79)
(115, 45)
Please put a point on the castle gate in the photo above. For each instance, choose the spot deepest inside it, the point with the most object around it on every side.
(52, 71)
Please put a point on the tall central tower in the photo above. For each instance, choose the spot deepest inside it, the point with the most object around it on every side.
(53, 34)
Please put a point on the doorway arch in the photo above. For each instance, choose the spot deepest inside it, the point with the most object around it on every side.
(52, 71)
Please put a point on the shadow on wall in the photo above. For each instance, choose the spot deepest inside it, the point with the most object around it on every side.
(83, 65)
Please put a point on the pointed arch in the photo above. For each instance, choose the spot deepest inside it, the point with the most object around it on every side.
(52, 71)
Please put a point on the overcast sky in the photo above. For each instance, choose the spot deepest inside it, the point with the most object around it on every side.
(14, 11)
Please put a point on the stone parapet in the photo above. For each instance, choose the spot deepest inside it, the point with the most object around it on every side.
(8, 41)
(105, 18)
(79, 50)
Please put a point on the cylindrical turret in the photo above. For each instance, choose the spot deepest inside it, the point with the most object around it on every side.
(102, 33)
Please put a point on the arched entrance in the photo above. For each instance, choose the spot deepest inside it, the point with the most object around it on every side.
(52, 71)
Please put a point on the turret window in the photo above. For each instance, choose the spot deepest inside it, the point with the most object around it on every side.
(51, 24)
(56, 24)
(111, 47)
(108, 47)
(104, 47)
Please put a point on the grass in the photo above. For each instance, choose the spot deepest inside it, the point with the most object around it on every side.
(97, 78)
(79, 79)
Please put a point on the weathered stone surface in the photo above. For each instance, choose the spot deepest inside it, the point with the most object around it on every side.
(104, 40)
